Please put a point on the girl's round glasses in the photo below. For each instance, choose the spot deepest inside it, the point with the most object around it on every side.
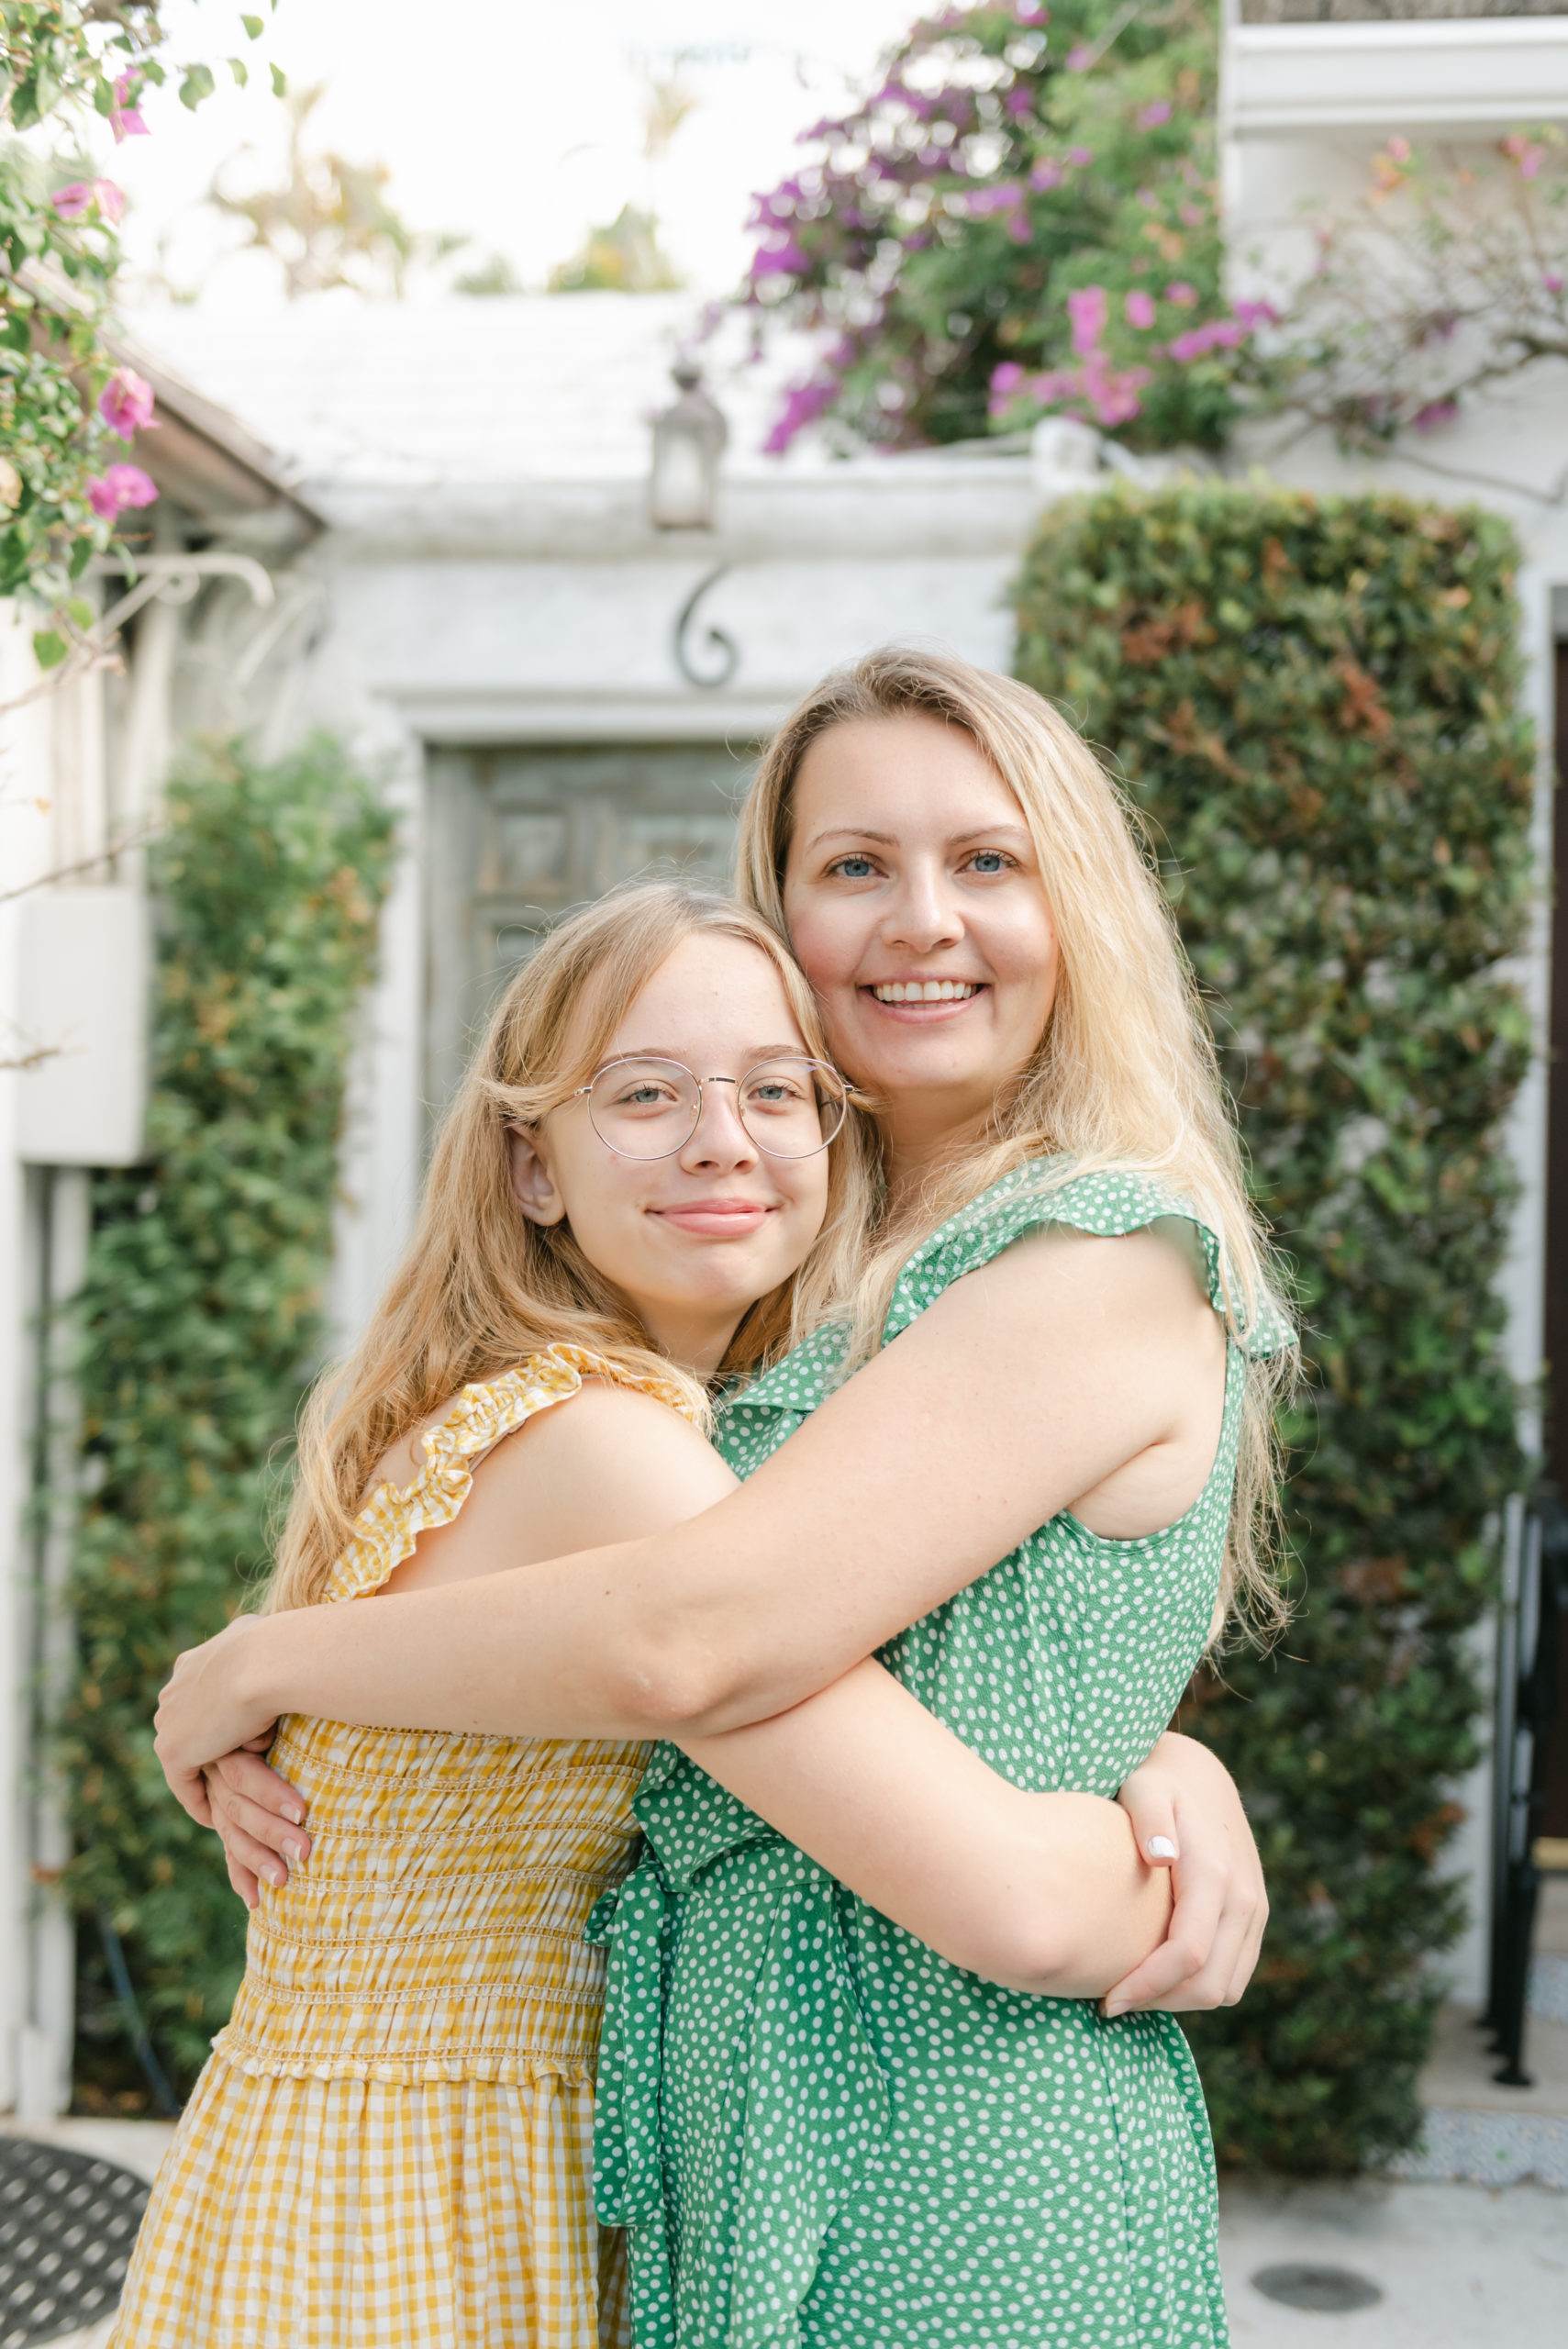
(647, 1108)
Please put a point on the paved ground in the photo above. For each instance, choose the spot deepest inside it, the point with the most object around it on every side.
(1458, 2265)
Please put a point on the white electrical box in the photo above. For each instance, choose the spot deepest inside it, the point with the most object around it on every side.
(83, 1008)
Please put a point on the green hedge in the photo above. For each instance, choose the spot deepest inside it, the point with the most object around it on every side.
(200, 1323)
(1314, 702)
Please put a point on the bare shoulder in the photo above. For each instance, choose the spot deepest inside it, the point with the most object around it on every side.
(609, 1463)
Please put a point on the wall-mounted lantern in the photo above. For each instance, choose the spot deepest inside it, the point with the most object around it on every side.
(688, 441)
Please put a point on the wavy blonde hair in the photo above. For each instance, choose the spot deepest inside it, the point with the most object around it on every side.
(481, 1287)
(1125, 1074)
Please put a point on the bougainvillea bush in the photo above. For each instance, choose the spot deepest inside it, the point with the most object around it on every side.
(67, 409)
(1021, 220)
(1313, 702)
(200, 1323)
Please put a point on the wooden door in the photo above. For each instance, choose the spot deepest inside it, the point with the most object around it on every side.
(514, 836)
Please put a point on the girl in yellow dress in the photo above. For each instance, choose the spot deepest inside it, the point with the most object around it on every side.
(633, 1192)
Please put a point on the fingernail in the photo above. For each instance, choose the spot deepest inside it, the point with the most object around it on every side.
(296, 1851)
(1161, 1848)
(275, 1876)
(1113, 2007)
(294, 1815)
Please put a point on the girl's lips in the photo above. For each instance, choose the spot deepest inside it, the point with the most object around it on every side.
(716, 1219)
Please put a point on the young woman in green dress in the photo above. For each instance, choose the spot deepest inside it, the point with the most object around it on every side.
(821, 2125)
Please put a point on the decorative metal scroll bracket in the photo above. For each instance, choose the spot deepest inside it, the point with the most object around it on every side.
(722, 657)
(176, 579)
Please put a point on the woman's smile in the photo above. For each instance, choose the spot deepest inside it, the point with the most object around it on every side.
(716, 1219)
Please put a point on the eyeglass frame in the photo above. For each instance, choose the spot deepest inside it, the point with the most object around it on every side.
(790, 1158)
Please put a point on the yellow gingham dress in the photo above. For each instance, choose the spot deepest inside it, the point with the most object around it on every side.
(391, 2145)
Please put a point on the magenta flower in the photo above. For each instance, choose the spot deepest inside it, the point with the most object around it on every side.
(1046, 174)
(1140, 308)
(1019, 228)
(1183, 295)
(125, 403)
(1007, 378)
(1153, 116)
(1435, 412)
(1087, 310)
(1399, 149)
(1080, 57)
(1080, 155)
(119, 486)
(72, 201)
(803, 403)
(787, 259)
(124, 114)
(1524, 151)
(1026, 13)
(983, 200)
(1255, 313)
(111, 202)
(1553, 282)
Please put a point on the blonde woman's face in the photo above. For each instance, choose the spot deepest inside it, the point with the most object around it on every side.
(917, 909)
(693, 1239)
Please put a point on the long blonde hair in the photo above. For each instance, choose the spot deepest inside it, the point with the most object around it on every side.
(1125, 1074)
(481, 1287)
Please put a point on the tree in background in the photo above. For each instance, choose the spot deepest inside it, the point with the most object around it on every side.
(67, 409)
(1022, 218)
(329, 222)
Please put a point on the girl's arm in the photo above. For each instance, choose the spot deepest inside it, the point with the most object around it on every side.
(1038, 1892)
(1069, 1369)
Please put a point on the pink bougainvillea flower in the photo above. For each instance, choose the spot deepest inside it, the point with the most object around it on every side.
(124, 114)
(1183, 295)
(1553, 282)
(117, 488)
(1435, 412)
(1153, 116)
(1019, 227)
(983, 202)
(72, 201)
(125, 403)
(1087, 310)
(111, 202)
(1080, 57)
(1255, 313)
(1524, 153)
(1026, 13)
(1399, 149)
(786, 260)
(803, 403)
(1192, 215)
(1007, 378)
(1080, 155)
(1046, 174)
(1140, 308)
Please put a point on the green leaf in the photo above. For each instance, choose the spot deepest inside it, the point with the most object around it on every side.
(81, 613)
(49, 649)
(80, 556)
(197, 84)
(253, 26)
(240, 70)
(280, 81)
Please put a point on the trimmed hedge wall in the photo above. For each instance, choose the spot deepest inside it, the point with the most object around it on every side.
(1314, 703)
(200, 1325)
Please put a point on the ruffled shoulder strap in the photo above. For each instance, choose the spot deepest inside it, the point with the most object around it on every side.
(393, 1518)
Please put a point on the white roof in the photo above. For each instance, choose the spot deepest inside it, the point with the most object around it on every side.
(468, 389)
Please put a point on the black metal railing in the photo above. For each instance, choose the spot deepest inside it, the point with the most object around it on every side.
(1529, 1625)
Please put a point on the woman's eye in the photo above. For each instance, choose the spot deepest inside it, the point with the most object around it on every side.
(989, 859)
(853, 868)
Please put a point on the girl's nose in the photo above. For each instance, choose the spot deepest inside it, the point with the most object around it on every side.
(718, 1138)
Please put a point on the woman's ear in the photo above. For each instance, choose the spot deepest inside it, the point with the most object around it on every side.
(533, 1186)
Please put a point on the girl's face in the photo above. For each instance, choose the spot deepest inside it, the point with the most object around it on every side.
(916, 908)
(690, 1241)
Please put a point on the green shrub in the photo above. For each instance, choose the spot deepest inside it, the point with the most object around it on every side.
(200, 1324)
(1314, 703)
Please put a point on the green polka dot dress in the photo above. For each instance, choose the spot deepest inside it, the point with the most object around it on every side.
(821, 2134)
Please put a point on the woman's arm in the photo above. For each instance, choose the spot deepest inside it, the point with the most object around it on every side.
(1068, 1369)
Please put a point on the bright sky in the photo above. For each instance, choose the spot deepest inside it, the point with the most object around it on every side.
(518, 121)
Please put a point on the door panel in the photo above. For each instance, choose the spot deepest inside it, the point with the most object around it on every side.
(514, 837)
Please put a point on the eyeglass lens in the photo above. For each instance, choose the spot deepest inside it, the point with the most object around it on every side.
(650, 1109)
